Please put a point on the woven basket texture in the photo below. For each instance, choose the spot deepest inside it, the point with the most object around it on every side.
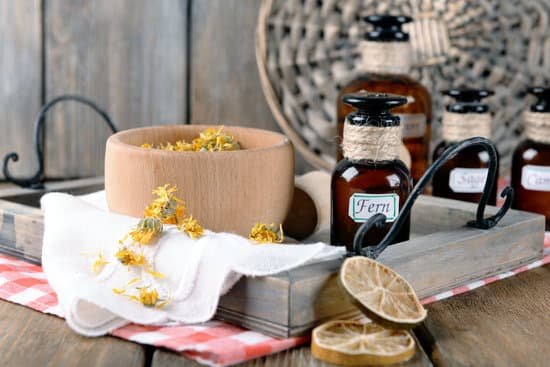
(307, 49)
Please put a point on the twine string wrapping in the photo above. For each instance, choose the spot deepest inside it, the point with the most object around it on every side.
(371, 142)
(385, 57)
(537, 126)
(462, 126)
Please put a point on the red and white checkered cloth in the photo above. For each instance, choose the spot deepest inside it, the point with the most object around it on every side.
(214, 343)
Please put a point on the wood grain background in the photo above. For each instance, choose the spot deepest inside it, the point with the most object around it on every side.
(144, 62)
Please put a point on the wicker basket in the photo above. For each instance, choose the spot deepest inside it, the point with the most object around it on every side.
(307, 49)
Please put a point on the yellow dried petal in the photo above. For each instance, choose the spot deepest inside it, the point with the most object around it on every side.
(146, 146)
(161, 304)
(99, 263)
(119, 291)
(154, 273)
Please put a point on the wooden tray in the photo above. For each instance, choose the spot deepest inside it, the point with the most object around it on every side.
(443, 253)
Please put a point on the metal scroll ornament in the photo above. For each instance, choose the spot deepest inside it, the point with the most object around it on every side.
(480, 222)
(36, 181)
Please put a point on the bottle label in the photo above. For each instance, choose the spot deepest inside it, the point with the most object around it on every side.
(536, 178)
(364, 206)
(468, 180)
(413, 125)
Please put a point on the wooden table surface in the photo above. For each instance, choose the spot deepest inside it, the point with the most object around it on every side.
(506, 323)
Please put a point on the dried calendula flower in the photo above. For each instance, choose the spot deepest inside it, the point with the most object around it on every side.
(166, 207)
(99, 263)
(209, 140)
(148, 296)
(146, 231)
(129, 257)
(192, 227)
(263, 233)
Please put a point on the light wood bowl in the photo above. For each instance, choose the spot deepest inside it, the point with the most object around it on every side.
(226, 191)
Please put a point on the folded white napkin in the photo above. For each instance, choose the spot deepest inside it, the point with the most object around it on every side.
(197, 272)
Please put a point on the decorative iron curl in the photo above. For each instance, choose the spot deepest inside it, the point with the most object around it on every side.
(481, 222)
(36, 180)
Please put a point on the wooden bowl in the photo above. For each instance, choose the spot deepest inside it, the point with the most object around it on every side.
(226, 191)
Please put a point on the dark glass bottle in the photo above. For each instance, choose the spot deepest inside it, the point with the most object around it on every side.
(390, 42)
(364, 183)
(531, 160)
(463, 177)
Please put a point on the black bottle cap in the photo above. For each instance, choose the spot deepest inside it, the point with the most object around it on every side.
(387, 28)
(468, 100)
(373, 108)
(543, 99)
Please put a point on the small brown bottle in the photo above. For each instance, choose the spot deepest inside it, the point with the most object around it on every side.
(531, 159)
(370, 179)
(385, 63)
(463, 177)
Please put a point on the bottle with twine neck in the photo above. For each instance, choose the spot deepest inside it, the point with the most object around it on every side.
(531, 159)
(371, 178)
(464, 176)
(383, 66)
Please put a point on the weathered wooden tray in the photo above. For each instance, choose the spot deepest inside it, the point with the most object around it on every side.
(443, 253)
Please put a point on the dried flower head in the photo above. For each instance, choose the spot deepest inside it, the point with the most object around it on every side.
(167, 208)
(192, 227)
(129, 257)
(263, 233)
(146, 231)
(146, 295)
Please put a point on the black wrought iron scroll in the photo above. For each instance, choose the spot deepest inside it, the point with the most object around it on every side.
(379, 220)
(36, 181)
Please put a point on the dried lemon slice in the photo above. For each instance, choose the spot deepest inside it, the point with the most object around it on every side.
(348, 343)
(381, 293)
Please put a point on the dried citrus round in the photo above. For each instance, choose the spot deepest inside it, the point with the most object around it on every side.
(381, 293)
(349, 343)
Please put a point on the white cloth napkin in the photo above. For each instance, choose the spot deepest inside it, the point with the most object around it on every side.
(197, 272)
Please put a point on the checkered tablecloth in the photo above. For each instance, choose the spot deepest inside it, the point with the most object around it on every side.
(213, 343)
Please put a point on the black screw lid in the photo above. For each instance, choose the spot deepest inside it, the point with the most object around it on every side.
(468, 100)
(543, 99)
(373, 108)
(387, 28)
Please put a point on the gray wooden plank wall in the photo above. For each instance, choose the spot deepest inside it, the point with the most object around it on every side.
(145, 62)
(20, 78)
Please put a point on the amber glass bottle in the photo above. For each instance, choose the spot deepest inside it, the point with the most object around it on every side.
(463, 177)
(384, 68)
(370, 179)
(531, 159)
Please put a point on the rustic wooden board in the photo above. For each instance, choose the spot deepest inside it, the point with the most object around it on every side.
(30, 338)
(20, 79)
(21, 222)
(506, 323)
(292, 357)
(130, 56)
(224, 81)
(441, 255)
